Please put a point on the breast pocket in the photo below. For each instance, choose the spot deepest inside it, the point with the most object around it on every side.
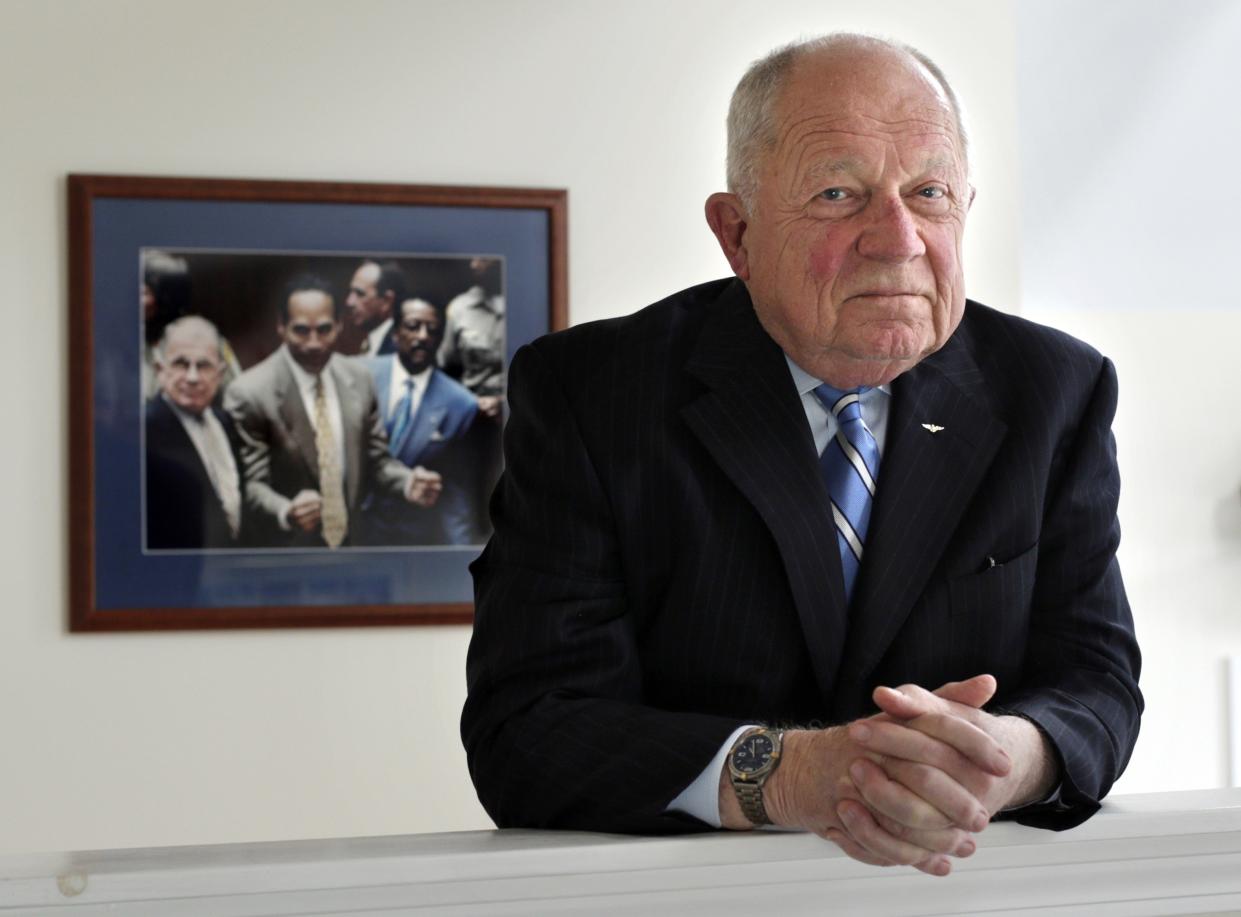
(1001, 590)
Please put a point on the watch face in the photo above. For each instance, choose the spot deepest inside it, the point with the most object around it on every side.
(754, 753)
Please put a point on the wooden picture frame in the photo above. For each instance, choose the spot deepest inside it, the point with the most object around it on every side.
(121, 578)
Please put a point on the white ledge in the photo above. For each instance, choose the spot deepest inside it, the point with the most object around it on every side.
(1163, 853)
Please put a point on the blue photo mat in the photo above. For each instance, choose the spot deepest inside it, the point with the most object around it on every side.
(125, 577)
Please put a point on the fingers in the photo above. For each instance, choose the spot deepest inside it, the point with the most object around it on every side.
(852, 848)
(305, 510)
(919, 798)
(427, 476)
(877, 843)
(941, 740)
(909, 701)
(425, 486)
(885, 796)
(948, 841)
(973, 692)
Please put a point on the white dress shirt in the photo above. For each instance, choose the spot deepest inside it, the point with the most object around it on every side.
(701, 798)
(396, 388)
(375, 339)
(211, 443)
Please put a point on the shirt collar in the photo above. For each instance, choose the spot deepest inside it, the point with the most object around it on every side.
(400, 373)
(186, 416)
(808, 383)
(375, 337)
(305, 381)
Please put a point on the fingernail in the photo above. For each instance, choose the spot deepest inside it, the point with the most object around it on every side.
(859, 732)
(857, 772)
(846, 814)
(981, 820)
(967, 848)
(942, 868)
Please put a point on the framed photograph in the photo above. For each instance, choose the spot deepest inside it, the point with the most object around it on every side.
(286, 398)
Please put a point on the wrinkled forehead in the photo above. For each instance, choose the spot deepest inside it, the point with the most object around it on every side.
(849, 102)
(191, 342)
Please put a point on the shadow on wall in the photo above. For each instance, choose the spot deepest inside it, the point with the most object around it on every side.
(1228, 515)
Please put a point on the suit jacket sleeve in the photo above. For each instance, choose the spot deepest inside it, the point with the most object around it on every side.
(1080, 685)
(555, 726)
(253, 430)
(459, 471)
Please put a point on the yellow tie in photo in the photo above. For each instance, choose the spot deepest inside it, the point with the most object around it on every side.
(335, 519)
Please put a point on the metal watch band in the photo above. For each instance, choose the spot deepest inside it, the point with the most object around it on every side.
(750, 795)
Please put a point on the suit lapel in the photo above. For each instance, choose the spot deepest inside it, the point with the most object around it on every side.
(752, 423)
(292, 413)
(926, 480)
(426, 421)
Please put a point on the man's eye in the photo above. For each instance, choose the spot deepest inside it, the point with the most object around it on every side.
(932, 192)
(834, 194)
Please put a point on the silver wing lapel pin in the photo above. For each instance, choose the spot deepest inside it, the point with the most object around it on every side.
(932, 427)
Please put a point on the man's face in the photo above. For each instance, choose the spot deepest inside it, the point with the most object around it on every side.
(853, 256)
(418, 335)
(365, 305)
(189, 371)
(311, 330)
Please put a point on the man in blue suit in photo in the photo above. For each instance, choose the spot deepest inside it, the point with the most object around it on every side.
(426, 414)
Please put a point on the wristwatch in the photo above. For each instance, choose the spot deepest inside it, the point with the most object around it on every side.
(752, 759)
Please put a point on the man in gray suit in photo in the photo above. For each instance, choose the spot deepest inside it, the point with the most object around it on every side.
(312, 445)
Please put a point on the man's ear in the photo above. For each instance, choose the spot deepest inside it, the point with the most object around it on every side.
(973, 192)
(727, 218)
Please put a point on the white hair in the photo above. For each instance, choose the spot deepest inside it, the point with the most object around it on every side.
(188, 323)
(751, 114)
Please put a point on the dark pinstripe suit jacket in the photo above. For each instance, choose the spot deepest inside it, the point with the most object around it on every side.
(664, 566)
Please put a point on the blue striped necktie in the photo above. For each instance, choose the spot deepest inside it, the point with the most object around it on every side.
(850, 467)
(399, 420)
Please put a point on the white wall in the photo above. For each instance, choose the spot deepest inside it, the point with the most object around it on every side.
(153, 739)
(1129, 139)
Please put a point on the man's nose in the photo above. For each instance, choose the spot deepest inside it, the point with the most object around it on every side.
(191, 374)
(892, 234)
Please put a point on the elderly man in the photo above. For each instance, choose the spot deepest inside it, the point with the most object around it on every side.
(730, 523)
(312, 444)
(426, 414)
(193, 488)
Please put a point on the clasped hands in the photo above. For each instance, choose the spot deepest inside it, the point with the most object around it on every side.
(911, 784)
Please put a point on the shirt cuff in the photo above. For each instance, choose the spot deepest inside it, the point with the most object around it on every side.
(282, 517)
(701, 798)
